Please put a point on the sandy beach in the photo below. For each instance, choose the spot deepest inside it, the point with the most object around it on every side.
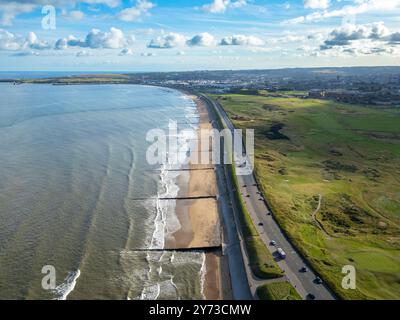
(199, 218)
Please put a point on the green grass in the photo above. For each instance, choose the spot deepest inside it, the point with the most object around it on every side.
(278, 291)
(351, 156)
(262, 262)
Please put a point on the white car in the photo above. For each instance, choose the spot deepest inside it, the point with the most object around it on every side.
(281, 253)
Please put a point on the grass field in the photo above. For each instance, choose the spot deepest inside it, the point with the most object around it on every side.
(345, 158)
(278, 291)
(262, 263)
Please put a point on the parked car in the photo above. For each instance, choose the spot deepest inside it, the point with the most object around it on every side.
(273, 243)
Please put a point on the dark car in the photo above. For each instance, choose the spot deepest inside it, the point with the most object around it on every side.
(310, 296)
(318, 280)
(260, 224)
(303, 270)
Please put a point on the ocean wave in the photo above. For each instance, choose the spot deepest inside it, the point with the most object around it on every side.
(63, 290)
(160, 282)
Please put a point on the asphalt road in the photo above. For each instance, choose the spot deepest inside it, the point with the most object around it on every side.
(270, 230)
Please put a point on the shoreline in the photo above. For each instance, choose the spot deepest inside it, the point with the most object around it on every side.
(200, 218)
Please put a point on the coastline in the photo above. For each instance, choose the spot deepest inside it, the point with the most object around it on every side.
(199, 217)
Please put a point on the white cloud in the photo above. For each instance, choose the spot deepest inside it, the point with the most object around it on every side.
(202, 40)
(238, 4)
(111, 40)
(359, 7)
(12, 42)
(110, 3)
(10, 10)
(220, 6)
(75, 15)
(96, 39)
(170, 40)
(316, 4)
(367, 39)
(349, 33)
(33, 42)
(395, 38)
(8, 41)
(132, 14)
(242, 40)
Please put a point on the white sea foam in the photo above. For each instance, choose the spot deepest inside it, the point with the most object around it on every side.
(158, 282)
(63, 290)
(151, 292)
(166, 221)
(203, 272)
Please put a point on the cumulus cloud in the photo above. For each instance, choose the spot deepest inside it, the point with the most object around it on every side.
(395, 38)
(13, 42)
(316, 4)
(96, 39)
(359, 7)
(220, 6)
(170, 40)
(349, 33)
(242, 40)
(202, 40)
(367, 39)
(131, 14)
(33, 42)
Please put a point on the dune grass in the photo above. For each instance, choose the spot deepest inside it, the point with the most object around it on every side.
(278, 291)
(350, 156)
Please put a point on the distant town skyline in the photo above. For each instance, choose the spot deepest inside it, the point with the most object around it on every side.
(161, 35)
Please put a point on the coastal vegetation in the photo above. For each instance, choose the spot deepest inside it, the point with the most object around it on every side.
(277, 291)
(331, 174)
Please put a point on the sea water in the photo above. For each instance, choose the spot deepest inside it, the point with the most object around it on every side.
(77, 193)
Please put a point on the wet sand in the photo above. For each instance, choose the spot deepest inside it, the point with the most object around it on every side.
(199, 218)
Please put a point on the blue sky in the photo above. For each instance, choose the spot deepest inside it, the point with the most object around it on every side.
(161, 35)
